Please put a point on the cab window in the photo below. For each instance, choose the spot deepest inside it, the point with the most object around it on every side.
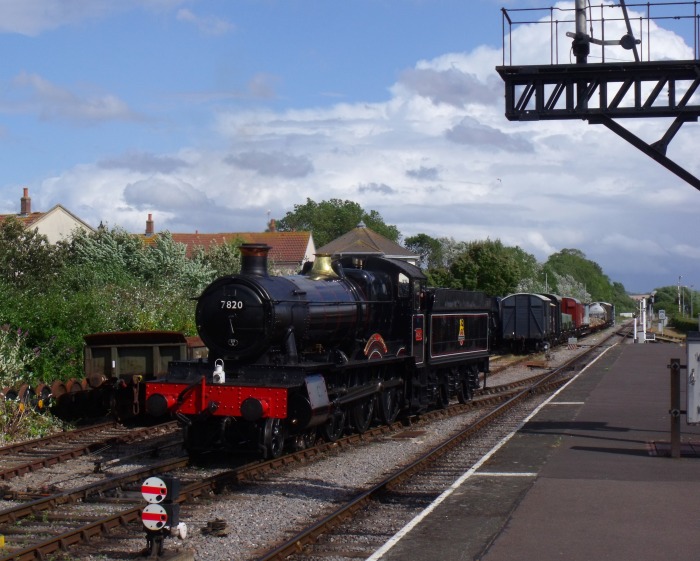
(404, 286)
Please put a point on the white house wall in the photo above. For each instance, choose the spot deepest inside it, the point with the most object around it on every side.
(57, 224)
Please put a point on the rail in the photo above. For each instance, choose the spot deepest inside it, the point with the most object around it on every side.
(544, 383)
(491, 396)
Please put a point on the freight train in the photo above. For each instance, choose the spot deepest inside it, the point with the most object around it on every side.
(342, 345)
(535, 322)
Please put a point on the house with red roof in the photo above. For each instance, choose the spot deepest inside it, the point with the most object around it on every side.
(289, 250)
(56, 224)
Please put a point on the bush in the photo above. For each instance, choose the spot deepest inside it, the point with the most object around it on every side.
(684, 324)
(15, 357)
(18, 422)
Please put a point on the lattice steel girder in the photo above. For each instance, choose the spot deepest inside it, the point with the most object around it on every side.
(579, 91)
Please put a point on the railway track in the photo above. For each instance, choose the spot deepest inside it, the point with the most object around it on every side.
(33, 455)
(120, 491)
(58, 508)
(30, 519)
(319, 540)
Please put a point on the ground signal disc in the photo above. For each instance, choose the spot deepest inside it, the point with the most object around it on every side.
(154, 517)
(154, 490)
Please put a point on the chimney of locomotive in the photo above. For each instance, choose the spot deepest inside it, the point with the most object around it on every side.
(254, 259)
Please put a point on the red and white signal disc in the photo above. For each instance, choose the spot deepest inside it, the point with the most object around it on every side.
(154, 517)
(154, 490)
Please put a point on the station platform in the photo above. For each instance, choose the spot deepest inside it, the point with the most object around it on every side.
(588, 477)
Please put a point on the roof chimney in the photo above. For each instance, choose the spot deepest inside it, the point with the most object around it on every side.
(149, 225)
(25, 203)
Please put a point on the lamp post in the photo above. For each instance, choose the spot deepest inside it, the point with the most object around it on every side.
(691, 301)
(679, 294)
(683, 301)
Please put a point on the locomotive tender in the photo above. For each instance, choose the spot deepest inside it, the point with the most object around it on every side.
(333, 349)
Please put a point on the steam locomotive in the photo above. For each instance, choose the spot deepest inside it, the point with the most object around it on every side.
(341, 345)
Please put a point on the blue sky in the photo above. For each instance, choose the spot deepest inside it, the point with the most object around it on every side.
(214, 115)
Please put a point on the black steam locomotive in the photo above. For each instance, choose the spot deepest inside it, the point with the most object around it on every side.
(342, 345)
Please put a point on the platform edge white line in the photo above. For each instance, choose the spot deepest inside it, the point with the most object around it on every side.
(377, 555)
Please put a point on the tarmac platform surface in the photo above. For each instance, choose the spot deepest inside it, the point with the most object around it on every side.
(588, 478)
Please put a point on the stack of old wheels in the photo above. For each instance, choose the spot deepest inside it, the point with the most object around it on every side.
(27, 396)
(98, 393)
(59, 401)
(86, 400)
(69, 398)
(43, 397)
(9, 393)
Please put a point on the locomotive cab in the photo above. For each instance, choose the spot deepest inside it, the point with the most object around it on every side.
(396, 289)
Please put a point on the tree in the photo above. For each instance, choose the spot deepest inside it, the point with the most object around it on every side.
(15, 356)
(165, 263)
(108, 280)
(224, 259)
(26, 257)
(620, 298)
(103, 257)
(573, 264)
(481, 265)
(331, 219)
(451, 249)
(429, 249)
(115, 257)
(666, 298)
(526, 263)
(488, 266)
(442, 277)
(569, 286)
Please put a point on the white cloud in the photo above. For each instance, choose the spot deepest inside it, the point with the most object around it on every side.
(144, 162)
(52, 102)
(272, 163)
(33, 17)
(437, 157)
(208, 25)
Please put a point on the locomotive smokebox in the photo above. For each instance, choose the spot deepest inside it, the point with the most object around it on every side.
(254, 316)
(254, 259)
